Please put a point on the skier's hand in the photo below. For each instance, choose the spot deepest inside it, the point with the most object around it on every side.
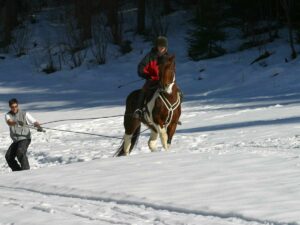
(40, 129)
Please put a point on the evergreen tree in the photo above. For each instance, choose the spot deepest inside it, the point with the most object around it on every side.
(204, 41)
(141, 17)
(10, 21)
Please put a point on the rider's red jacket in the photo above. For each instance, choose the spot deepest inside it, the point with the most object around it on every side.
(148, 68)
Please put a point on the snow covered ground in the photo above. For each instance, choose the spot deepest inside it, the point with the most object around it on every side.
(235, 160)
(162, 188)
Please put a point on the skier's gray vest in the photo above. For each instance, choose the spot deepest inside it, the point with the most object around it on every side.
(18, 133)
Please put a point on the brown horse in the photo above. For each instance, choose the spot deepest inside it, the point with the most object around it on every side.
(163, 110)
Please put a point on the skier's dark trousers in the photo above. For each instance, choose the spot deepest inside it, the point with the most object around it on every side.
(18, 150)
(18, 122)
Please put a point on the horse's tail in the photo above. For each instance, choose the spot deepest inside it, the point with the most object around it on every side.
(134, 141)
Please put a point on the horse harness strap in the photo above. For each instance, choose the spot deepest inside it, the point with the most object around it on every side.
(171, 107)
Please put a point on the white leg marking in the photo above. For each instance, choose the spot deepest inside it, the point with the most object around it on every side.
(127, 143)
(164, 138)
(153, 141)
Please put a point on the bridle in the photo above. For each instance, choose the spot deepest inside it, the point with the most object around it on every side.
(167, 88)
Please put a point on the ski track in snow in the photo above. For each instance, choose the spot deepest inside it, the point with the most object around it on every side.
(103, 210)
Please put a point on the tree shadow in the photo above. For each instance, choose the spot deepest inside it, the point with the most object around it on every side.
(50, 96)
(99, 88)
(231, 126)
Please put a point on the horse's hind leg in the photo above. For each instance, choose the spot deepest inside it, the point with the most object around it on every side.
(153, 140)
(127, 143)
(131, 125)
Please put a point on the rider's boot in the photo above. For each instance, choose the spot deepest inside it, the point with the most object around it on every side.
(138, 113)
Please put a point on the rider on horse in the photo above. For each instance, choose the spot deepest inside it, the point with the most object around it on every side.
(148, 69)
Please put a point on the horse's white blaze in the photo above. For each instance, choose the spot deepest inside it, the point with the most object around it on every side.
(127, 143)
(169, 88)
(153, 141)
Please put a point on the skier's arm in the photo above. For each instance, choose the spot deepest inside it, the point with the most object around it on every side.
(142, 65)
(31, 120)
(9, 121)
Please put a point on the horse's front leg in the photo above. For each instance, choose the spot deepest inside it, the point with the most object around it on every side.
(163, 137)
(171, 131)
(153, 140)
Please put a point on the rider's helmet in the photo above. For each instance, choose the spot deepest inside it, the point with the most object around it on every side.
(161, 41)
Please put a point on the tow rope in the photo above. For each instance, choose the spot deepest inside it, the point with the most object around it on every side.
(82, 119)
(79, 132)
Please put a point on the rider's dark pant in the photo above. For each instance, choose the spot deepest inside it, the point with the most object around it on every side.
(147, 89)
(141, 99)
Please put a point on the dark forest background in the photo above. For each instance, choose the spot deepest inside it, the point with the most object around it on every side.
(98, 22)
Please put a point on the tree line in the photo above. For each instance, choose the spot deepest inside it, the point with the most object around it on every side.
(258, 21)
(13, 12)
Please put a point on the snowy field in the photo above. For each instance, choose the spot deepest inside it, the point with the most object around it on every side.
(235, 159)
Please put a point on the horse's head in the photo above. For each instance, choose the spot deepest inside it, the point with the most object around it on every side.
(167, 74)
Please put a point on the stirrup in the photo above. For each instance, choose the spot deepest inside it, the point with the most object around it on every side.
(138, 114)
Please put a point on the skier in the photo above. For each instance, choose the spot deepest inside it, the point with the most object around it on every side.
(18, 122)
(148, 69)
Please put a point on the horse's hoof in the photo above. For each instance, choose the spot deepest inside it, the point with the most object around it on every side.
(166, 147)
(152, 145)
